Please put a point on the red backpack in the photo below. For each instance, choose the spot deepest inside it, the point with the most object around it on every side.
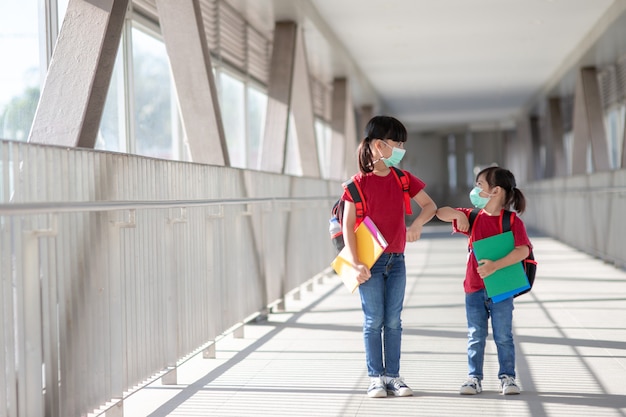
(336, 230)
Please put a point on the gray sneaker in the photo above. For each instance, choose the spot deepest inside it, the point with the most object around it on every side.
(397, 387)
(377, 387)
(509, 387)
(471, 387)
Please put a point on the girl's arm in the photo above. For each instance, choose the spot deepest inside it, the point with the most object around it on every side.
(448, 214)
(349, 239)
(487, 267)
(429, 208)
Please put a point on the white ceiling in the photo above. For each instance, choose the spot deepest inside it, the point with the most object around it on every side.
(441, 64)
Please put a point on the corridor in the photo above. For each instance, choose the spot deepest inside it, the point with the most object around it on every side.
(309, 361)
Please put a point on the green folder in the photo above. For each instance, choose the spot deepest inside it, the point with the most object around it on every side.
(505, 282)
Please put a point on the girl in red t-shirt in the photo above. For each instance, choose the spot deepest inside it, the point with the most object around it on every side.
(495, 191)
(382, 288)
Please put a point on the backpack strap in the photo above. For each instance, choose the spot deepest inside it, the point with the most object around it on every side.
(357, 197)
(471, 219)
(506, 220)
(403, 180)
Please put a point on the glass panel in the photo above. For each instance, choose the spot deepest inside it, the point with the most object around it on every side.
(232, 105)
(257, 108)
(152, 97)
(323, 134)
(469, 160)
(568, 138)
(452, 184)
(293, 162)
(61, 9)
(20, 74)
(614, 124)
(112, 133)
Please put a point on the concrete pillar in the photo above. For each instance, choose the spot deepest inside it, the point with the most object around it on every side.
(519, 151)
(588, 124)
(186, 44)
(534, 160)
(70, 108)
(289, 102)
(344, 139)
(556, 160)
(365, 114)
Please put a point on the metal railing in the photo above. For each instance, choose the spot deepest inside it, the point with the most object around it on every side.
(586, 212)
(113, 268)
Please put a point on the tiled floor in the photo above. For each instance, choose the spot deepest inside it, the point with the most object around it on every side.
(570, 335)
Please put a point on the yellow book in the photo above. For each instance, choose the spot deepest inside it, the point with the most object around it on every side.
(370, 244)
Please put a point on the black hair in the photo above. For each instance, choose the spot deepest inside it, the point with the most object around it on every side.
(503, 178)
(379, 127)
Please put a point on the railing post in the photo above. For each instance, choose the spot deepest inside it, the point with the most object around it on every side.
(171, 304)
(118, 314)
(31, 398)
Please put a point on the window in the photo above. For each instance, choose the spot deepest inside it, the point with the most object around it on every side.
(614, 124)
(323, 135)
(152, 97)
(568, 142)
(20, 79)
(141, 112)
(293, 163)
(112, 133)
(469, 160)
(232, 106)
(452, 184)
(243, 107)
(257, 109)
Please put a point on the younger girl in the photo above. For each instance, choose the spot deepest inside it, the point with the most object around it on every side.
(382, 288)
(495, 191)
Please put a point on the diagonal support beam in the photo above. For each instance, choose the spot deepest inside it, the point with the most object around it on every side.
(588, 125)
(290, 106)
(70, 108)
(186, 44)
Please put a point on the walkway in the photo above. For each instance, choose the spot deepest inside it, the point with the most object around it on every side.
(570, 333)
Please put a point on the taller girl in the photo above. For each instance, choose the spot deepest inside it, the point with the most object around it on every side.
(382, 288)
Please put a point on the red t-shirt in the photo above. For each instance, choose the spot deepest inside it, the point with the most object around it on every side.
(384, 200)
(486, 226)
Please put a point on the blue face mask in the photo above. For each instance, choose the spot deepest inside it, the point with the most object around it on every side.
(476, 199)
(396, 156)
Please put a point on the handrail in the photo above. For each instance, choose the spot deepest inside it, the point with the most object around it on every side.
(604, 190)
(93, 206)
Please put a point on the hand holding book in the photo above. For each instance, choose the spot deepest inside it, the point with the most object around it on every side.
(370, 245)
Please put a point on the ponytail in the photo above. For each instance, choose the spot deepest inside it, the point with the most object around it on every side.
(366, 159)
(517, 199)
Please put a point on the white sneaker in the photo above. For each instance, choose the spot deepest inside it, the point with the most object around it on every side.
(509, 387)
(377, 387)
(397, 387)
(471, 387)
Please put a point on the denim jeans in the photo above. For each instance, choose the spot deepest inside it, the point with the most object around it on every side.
(478, 308)
(382, 297)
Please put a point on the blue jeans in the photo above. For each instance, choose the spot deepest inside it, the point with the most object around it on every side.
(382, 297)
(478, 308)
